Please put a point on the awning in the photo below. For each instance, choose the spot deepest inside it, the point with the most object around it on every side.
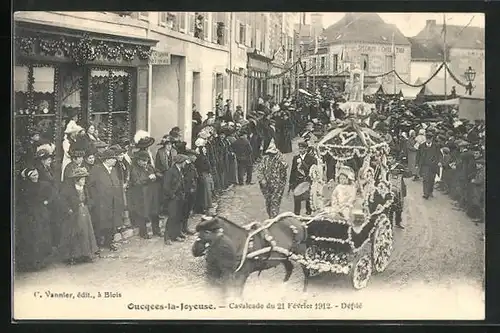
(455, 101)
(372, 89)
(410, 92)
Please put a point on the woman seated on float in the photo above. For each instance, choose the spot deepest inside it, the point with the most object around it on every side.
(344, 194)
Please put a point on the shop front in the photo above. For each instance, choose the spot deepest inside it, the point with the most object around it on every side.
(258, 70)
(61, 72)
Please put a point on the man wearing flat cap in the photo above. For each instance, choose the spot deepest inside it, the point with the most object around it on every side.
(428, 161)
(106, 192)
(175, 200)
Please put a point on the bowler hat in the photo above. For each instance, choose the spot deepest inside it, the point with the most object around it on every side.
(108, 154)
(164, 140)
(210, 114)
(78, 173)
(142, 155)
(179, 158)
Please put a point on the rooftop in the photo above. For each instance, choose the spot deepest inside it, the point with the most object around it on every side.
(465, 37)
(363, 27)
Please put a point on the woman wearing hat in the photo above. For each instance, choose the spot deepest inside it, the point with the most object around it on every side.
(70, 138)
(141, 194)
(143, 141)
(77, 157)
(44, 157)
(33, 228)
(271, 175)
(89, 158)
(78, 241)
(344, 194)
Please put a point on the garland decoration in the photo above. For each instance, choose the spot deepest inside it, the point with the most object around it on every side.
(110, 107)
(31, 101)
(83, 50)
(57, 121)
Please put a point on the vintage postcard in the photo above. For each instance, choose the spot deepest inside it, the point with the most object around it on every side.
(248, 165)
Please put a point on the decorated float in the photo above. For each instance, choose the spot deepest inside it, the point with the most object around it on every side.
(353, 237)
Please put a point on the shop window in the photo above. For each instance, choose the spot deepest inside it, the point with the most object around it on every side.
(110, 103)
(34, 104)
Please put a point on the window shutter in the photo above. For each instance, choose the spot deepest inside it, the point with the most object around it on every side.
(191, 20)
(248, 32)
(214, 28)
(142, 99)
(205, 26)
(237, 32)
(182, 21)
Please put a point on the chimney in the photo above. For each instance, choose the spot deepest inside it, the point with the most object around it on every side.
(430, 24)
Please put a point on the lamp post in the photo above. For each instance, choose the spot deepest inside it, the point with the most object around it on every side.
(470, 75)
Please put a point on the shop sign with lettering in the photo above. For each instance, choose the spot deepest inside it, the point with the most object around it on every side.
(159, 58)
(258, 64)
(379, 48)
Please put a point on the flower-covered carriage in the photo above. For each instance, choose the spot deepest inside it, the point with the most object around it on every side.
(358, 212)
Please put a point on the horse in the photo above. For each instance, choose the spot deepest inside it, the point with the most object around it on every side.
(234, 252)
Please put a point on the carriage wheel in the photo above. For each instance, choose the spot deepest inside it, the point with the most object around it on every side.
(362, 272)
(382, 245)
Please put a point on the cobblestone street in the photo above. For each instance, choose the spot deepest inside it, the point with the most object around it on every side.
(438, 257)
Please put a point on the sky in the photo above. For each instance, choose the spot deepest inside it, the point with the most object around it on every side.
(411, 23)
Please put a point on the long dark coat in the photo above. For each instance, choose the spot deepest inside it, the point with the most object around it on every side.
(47, 175)
(141, 195)
(175, 199)
(105, 190)
(284, 142)
(32, 225)
(243, 151)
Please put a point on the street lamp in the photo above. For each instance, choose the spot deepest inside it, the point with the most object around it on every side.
(470, 75)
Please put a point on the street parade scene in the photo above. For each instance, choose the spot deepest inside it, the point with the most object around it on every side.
(342, 183)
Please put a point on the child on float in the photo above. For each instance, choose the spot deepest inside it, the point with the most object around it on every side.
(344, 194)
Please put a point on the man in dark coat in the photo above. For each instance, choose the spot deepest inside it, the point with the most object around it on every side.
(244, 158)
(105, 189)
(301, 164)
(163, 162)
(428, 162)
(175, 199)
(191, 184)
(140, 193)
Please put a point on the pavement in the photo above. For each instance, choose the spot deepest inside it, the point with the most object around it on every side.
(436, 270)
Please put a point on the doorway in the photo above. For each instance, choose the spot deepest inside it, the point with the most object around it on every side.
(196, 93)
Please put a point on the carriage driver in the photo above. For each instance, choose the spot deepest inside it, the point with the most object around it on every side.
(300, 181)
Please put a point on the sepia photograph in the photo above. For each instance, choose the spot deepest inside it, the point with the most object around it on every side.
(248, 166)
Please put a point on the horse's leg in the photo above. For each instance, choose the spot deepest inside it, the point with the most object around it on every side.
(289, 269)
(306, 277)
(240, 279)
